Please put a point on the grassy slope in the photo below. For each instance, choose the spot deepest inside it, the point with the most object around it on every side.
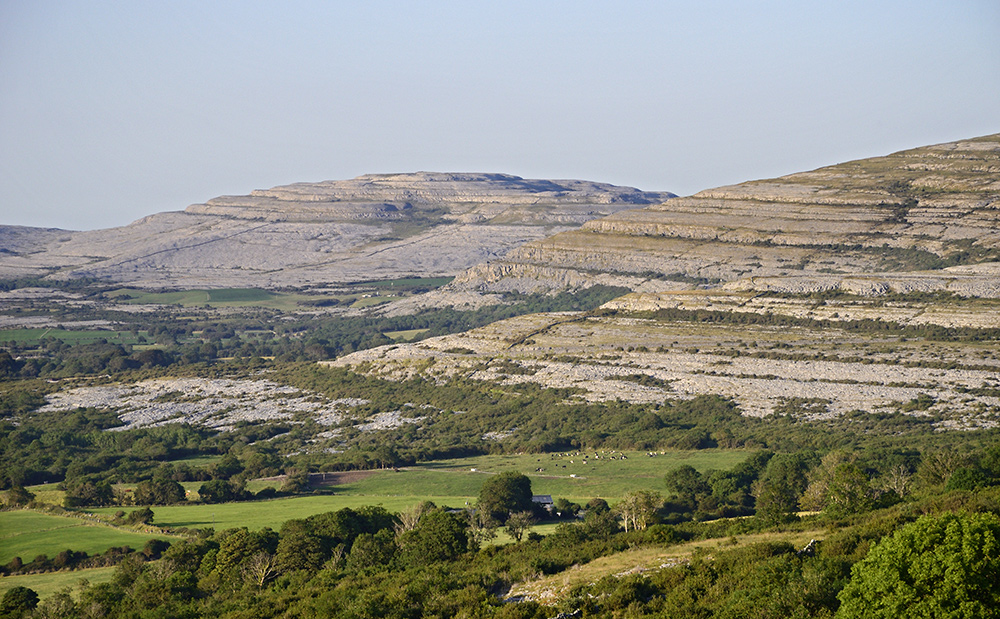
(647, 558)
(53, 582)
(27, 534)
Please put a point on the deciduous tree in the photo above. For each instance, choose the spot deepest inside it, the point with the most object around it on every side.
(944, 566)
(504, 494)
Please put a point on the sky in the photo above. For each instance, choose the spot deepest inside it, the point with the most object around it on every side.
(111, 111)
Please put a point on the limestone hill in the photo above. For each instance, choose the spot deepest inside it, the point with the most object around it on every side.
(368, 228)
(935, 208)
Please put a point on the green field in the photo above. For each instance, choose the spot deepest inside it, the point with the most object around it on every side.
(68, 336)
(27, 534)
(272, 513)
(404, 336)
(53, 582)
(605, 478)
(220, 297)
(452, 483)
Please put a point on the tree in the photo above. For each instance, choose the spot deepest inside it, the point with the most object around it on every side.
(219, 491)
(779, 488)
(17, 496)
(227, 467)
(849, 491)
(18, 601)
(944, 566)
(241, 550)
(838, 486)
(504, 494)
(299, 548)
(440, 536)
(140, 516)
(88, 493)
(688, 485)
(481, 529)
(371, 550)
(158, 492)
(638, 509)
(518, 524)
(259, 568)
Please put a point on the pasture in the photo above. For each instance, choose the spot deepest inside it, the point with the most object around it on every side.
(34, 336)
(53, 582)
(272, 513)
(577, 476)
(451, 483)
(27, 534)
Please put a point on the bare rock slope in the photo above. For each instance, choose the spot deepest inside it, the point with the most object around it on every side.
(371, 227)
(925, 209)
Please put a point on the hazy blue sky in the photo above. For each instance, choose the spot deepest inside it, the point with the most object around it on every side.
(110, 111)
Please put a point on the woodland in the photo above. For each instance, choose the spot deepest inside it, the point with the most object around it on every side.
(859, 515)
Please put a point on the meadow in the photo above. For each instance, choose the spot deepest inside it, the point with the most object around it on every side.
(33, 336)
(576, 476)
(451, 483)
(53, 582)
(27, 534)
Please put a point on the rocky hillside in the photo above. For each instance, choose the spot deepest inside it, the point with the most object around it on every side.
(368, 228)
(926, 209)
(870, 287)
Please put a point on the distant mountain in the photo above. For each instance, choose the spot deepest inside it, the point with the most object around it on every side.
(921, 219)
(368, 228)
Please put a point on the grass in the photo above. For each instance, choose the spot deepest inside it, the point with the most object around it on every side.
(223, 297)
(53, 582)
(197, 461)
(404, 336)
(48, 493)
(27, 534)
(649, 558)
(370, 301)
(256, 297)
(605, 478)
(29, 336)
(449, 482)
(273, 513)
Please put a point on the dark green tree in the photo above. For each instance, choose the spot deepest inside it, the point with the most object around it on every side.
(18, 601)
(439, 536)
(518, 524)
(140, 516)
(299, 548)
(372, 550)
(219, 491)
(88, 493)
(504, 494)
(779, 488)
(158, 492)
(17, 496)
(688, 485)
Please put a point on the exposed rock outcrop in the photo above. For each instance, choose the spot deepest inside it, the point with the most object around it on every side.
(372, 227)
(922, 209)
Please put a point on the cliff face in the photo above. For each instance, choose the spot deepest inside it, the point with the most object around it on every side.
(372, 227)
(929, 208)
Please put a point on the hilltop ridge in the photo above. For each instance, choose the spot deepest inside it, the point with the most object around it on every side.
(921, 209)
(372, 227)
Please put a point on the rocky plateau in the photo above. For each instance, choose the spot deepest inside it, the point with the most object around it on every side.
(881, 223)
(373, 227)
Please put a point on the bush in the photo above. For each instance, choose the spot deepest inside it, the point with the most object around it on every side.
(945, 566)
